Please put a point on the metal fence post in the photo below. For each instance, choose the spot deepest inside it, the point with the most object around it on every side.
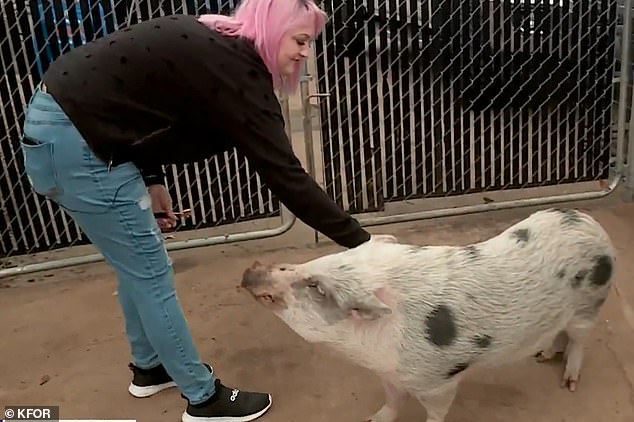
(307, 118)
(629, 176)
(624, 98)
(626, 67)
(307, 123)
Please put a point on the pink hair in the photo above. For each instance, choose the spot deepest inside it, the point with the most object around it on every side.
(265, 22)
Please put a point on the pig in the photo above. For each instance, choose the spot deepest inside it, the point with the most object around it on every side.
(422, 317)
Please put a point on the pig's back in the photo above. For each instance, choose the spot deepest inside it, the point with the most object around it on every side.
(507, 296)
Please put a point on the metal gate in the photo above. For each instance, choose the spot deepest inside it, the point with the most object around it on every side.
(219, 191)
(442, 98)
(418, 100)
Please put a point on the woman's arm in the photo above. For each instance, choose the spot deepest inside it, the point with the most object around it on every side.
(256, 129)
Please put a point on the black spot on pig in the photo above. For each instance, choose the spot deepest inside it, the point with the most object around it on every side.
(440, 326)
(602, 271)
(482, 341)
(578, 278)
(568, 215)
(471, 251)
(521, 235)
(457, 369)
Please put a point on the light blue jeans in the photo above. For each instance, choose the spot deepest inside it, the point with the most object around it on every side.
(113, 209)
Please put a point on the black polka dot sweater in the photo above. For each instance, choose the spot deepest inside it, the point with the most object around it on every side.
(171, 91)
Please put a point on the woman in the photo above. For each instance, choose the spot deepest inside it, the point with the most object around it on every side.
(174, 89)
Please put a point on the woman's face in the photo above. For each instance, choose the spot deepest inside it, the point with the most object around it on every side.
(294, 49)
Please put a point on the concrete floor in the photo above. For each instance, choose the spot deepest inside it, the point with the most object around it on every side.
(63, 341)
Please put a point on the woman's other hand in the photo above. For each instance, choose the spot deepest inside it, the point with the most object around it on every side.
(162, 203)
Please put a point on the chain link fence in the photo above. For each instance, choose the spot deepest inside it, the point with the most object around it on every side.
(217, 193)
(448, 99)
(419, 102)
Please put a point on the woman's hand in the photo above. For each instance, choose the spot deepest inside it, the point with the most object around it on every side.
(385, 238)
(162, 203)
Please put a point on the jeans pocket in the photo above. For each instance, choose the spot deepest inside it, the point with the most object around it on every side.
(40, 167)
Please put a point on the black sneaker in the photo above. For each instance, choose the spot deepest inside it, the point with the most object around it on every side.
(229, 405)
(147, 382)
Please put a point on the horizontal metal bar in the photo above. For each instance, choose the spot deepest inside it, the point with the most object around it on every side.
(493, 206)
(174, 246)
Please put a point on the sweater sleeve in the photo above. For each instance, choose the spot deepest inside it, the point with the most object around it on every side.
(255, 126)
(152, 174)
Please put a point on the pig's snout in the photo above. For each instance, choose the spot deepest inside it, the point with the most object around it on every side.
(254, 276)
(257, 281)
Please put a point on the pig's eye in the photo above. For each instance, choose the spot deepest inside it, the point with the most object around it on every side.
(316, 286)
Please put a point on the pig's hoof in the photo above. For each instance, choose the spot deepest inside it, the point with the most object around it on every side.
(570, 382)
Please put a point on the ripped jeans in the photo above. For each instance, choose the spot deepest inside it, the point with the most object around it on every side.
(113, 209)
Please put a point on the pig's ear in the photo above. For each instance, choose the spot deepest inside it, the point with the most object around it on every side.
(369, 308)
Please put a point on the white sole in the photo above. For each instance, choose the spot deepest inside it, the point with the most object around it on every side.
(189, 418)
(141, 392)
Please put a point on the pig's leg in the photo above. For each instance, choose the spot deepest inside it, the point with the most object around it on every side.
(394, 399)
(578, 330)
(558, 346)
(438, 403)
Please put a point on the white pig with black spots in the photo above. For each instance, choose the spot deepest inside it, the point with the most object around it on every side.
(421, 317)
